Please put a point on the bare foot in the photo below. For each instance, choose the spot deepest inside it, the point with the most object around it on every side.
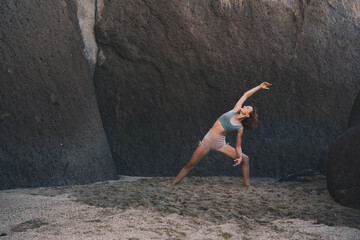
(249, 186)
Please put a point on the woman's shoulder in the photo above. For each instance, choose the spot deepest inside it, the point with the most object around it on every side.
(228, 114)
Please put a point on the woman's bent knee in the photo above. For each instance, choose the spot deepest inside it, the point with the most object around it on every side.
(245, 159)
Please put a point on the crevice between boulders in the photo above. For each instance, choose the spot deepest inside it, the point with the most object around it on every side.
(86, 14)
(83, 17)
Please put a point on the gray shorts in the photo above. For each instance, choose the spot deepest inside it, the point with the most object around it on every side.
(213, 141)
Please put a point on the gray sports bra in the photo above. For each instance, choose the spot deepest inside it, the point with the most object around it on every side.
(225, 122)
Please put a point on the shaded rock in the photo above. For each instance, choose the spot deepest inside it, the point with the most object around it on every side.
(167, 70)
(343, 168)
(51, 131)
(82, 15)
(355, 112)
(86, 15)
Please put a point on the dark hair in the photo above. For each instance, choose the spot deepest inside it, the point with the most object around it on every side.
(250, 122)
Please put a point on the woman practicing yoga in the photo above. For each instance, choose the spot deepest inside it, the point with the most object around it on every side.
(232, 121)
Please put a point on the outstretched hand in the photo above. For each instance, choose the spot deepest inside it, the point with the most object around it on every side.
(237, 162)
(265, 85)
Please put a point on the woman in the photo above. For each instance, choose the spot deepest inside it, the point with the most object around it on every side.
(234, 120)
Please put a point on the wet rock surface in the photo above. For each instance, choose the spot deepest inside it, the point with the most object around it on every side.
(167, 70)
(51, 131)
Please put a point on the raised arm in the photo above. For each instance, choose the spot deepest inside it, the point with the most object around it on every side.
(264, 85)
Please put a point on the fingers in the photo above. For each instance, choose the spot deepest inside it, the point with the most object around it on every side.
(266, 85)
(237, 162)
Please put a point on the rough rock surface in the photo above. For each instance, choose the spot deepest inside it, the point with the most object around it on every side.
(354, 118)
(82, 15)
(51, 131)
(343, 168)
(168, 69)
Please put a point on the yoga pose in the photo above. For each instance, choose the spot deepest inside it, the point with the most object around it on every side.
(233, 120)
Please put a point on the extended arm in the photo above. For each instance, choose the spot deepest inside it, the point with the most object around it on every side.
(246, 95)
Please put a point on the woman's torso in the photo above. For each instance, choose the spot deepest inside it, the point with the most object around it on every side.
(229, 120)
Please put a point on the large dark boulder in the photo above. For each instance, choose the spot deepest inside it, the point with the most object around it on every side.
(51, 131)
(355, 112)
(343, 168)
(168, 69)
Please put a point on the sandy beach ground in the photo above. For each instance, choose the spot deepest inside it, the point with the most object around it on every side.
(197, 208)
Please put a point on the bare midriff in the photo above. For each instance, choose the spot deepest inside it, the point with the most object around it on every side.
(218, 129)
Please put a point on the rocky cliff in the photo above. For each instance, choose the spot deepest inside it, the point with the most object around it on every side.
(164, 71)
(167, 70)
(51, 131)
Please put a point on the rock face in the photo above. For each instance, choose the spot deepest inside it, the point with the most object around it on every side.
(343, 166)
(84, 23)
(82, 15)
(354, 118)
(167, 70)
(51, 131)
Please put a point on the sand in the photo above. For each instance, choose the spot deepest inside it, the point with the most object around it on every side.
(197, 208)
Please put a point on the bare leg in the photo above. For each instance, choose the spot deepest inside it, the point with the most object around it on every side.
(199, 153)
(245, 168)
